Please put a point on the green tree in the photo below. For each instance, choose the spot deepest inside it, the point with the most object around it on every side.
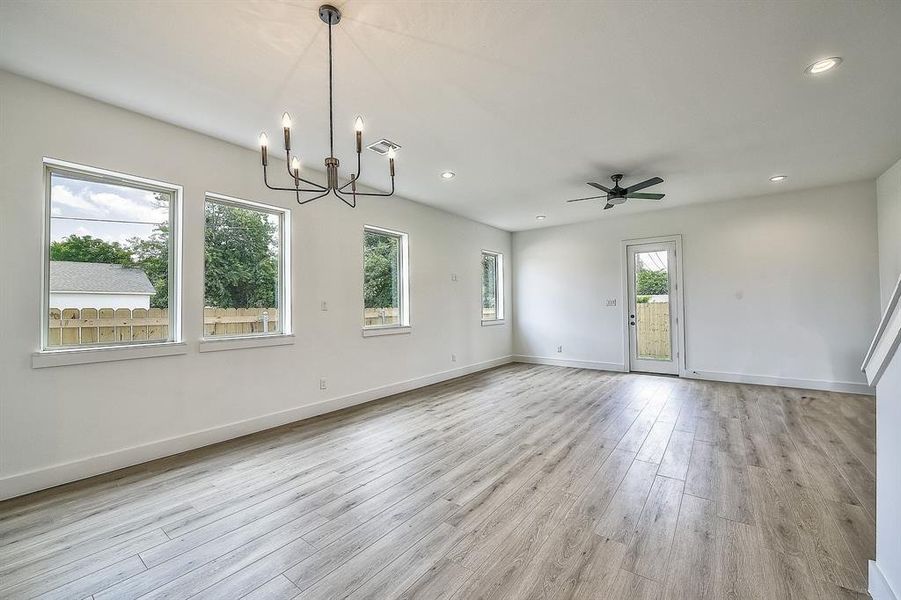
(489, 281)
(151, 254)
(241, 258)
(380, 265)
(652, 283)
(85, 248)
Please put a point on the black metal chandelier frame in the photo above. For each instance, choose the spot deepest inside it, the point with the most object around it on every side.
(331, 16)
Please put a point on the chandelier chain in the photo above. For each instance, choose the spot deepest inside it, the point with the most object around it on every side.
(331, 109)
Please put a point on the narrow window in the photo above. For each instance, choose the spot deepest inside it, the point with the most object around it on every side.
(245, 276)
(111, 261)
(385, 279)
(492, 286)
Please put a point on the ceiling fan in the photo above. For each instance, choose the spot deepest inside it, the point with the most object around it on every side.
(618, 195)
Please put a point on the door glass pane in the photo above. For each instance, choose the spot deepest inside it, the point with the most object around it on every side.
(652, 306)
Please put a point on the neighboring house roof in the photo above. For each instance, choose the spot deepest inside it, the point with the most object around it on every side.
(66, 276)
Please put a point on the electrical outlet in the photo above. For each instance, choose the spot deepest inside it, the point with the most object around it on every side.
(559, 348)
(322, 384)
(453, 358)
(611, 302)
(323, 306)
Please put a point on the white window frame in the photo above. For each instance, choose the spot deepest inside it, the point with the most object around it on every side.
(48, 356)
(403, 284)
(500, 314)
(286, 335)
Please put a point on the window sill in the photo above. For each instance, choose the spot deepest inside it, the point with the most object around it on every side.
(82, 356)
(493, 322)
(394, 330)
(241, 342)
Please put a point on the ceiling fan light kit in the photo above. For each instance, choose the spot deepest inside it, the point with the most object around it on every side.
(330, 16)
(618, 195)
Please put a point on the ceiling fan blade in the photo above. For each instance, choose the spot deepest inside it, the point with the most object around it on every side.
(603, 188)
(646, 196)
(643, 184)
(608, 205)
(589, 198)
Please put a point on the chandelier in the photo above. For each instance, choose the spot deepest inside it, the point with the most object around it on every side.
(330, 15)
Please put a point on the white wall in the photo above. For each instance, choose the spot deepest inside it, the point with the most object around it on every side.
(66, 422)
(779, 289)
(888, 198)
(88, 300)
(885, 575)
(888, 481)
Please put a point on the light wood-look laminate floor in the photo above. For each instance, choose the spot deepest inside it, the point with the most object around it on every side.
(519, 482)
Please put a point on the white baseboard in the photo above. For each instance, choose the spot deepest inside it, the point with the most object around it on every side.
(879, 587)
(564, 362)
(849, 387)
(39, 479)
(807, 384)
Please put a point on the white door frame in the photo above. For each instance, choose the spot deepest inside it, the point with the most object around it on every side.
(678, 312)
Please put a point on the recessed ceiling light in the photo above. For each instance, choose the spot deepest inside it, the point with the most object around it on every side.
(821, 66)
(778, 178)
(448, 175)
(540, 217)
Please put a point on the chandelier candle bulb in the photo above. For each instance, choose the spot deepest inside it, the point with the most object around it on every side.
(286, 124)
(295, 168)
(264, 148)
(391, 155)
(358, 126)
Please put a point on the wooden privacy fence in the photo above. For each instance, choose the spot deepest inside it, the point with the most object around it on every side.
(653, 322)
(77, 327)
(381, 316)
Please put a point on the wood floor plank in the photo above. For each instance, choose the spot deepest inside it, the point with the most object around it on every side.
(648, 552)
(277, 588)
(677, 456)
(700, 480)
(618, 521)
(629, 586)
(364, 565)
(693, 565)
(654, 446)
(732, 489)
(773, 518)
(524, 481)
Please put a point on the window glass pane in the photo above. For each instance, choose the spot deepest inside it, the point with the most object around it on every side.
(381, 279)
(109, 263)
(489, 287)
(241, 271)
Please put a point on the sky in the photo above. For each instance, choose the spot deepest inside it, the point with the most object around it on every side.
(656, 261)
(73, 201)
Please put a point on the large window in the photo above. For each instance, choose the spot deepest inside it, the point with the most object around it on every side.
(492, 287)
(245, 275)
(111, 259)
(385, 280)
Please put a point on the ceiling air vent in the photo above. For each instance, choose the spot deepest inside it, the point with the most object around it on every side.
(382, 146)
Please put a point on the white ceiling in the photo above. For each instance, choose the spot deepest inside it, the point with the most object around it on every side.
(525, 101)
